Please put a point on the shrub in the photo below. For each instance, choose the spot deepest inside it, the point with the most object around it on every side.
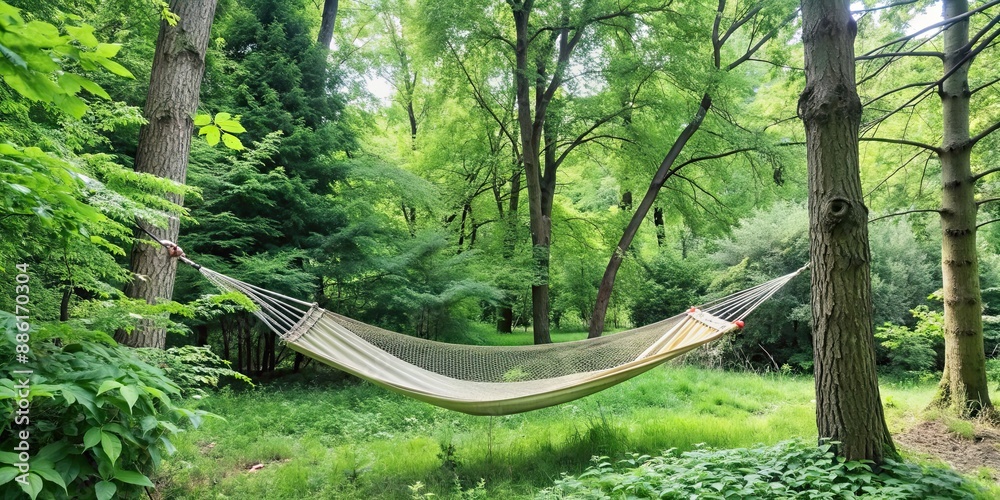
(99, 419)
(790, 469)
(913, 351)
(192, 368)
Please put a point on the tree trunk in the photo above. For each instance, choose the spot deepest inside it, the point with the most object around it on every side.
(848, 405)
(963, 386)
(325, 37)
(64, 303)
(664, 172)
(164, 144)
(539, 223)
(661, 233)
(202, 339)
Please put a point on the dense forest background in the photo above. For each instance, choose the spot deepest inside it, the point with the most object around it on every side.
(383, 177)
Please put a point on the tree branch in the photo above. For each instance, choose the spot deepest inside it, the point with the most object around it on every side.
(753, 50)
(984, 173)
(882, 7)
(943, 24)
(981, 33)
(983, 86)
(991, 221)
(897, 89)
(904, 142)
(904, 213)
(915, 53)
(712, 157)
(989, 130)
(580, 139)
(985, 201)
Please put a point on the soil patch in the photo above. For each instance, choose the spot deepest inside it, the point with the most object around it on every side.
(965, 455)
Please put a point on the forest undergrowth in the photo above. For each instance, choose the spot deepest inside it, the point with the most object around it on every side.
(318, 435)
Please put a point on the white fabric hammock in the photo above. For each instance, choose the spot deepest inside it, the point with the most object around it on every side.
(492, 380)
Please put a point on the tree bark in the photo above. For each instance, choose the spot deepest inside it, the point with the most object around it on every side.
(325, 37)
(963, 386)
(848, 405)
(164, 145)
(539, 224)
(661, 176)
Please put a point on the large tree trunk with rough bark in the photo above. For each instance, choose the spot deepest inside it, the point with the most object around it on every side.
(164, 145)
(848, 405)
(963, 386)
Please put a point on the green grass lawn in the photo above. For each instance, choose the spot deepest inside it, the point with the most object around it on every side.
(348, 439)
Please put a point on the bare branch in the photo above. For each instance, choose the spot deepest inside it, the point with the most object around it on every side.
(904, 142)
(989, 130)
(985, 85)
(897, 89)
(984, 173)
(582, 138)
(991, 221)
(882, 7)
(980, 34)
(752, 50)
(985, 201)
(712, 157)
(739, 22)
(772, 63)
(943, 24)
(894, 172)
(915, 53)
(904, 213)
(703, 190)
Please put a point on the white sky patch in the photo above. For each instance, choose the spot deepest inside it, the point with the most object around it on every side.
(380, 88)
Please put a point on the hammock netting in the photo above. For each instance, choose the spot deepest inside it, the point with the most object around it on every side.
(492, 380)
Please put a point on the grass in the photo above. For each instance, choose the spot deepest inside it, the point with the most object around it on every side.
(318, 435)
(347, 439)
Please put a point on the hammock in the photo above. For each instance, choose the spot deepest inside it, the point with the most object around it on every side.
(490, 380)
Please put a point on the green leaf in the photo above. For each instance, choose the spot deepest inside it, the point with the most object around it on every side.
(7, 474)
(8, 457)
(111, 445)
(130, 394)
(223, 117)
(202, 120)
(12, 56)
(79, 81)
(148, 423)
(108, 385)
(231, 126)
(34, 486)
(91, 438)
(130, 477)
(71, 105)
(232, 142)
(212, 134)
(105, 490)
(115, 68)
(83, 34)
(45, 470)
(107, 50)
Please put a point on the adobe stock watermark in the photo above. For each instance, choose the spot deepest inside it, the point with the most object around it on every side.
(22, 380)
